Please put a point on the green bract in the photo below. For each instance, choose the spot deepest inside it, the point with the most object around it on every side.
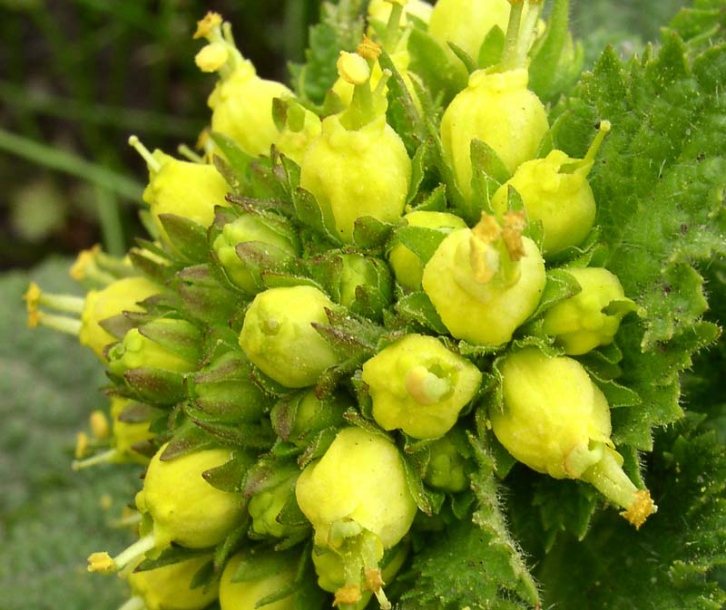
(279, 335)
(419, 386)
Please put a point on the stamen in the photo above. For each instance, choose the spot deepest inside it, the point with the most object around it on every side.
(136, 144)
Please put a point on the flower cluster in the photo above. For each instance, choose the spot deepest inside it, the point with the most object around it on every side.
(336, 303)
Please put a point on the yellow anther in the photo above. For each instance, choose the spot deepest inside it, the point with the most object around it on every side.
(84, 260)
(487, 229)
(101, 562)
(207, 25)
(99, 425)
(352, 68)
(347, 595)
(82, 443)
(640, 509)
(512, 227)
(212, 57)
(369, 49)
(105, 501)
(32, 300)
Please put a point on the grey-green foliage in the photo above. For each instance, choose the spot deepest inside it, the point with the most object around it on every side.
(51, 518)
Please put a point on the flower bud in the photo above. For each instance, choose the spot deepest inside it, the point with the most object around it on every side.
(170, 587)
(590, 318)
(224, 390)
(466, 23)
(241, 102)
(252, 244)
(298, 417)
(406, 265)
(357, 172)
(556, 420)
(182, 188)
(279, 336)
(253, 575)
(184, 508)
(273, 500)
(485, 282)
(419, 386)
(447, 466)
(555, 191)
(164, 343)
(498, 109)
(362, 284)
(119, 296)
(359, 484)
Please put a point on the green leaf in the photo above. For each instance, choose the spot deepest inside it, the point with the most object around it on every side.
(340, 29)
(475, 563)
(658, 182)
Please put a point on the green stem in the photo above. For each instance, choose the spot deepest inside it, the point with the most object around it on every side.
(52, 158)
(110, 219)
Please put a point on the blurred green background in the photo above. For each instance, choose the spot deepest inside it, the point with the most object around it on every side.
(77, 77)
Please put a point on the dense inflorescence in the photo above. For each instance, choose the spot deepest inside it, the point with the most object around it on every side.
(345, 309)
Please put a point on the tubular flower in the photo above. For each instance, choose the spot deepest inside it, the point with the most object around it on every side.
(357, 499)
(592, 317)
(239, 590)
(183, 507)
(556, 420)
(170, 587)
(419, 386)
(555, 192)
(88, 315)
(498, 109)
(279, 336)
(178, 506)
(182, 188)
(241, 102)
(485, 282)
(362, 480)
(359, 165)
